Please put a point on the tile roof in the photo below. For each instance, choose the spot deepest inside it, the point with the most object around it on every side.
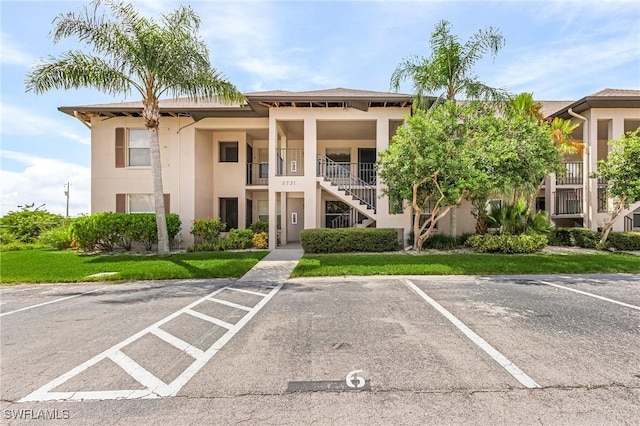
(616, 92)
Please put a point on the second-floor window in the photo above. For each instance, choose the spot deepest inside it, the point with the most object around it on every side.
(228, 152)
(138, 148)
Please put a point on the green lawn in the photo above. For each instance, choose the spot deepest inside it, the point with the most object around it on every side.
(463, 264)
(37, 266)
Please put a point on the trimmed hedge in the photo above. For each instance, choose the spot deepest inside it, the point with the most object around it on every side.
(572, 237)
(507, 244)
(107, 231)
(324, 240)
(624, 240)
(240, 239)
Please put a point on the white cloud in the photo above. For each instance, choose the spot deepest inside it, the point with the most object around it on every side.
(14, 54)
(555, 69)
(42, 181)
(20, 121)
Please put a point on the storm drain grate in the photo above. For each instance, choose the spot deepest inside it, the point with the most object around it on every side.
(326, 386)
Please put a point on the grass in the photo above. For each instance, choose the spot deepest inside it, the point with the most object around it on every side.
(463, 264)
(38, 266)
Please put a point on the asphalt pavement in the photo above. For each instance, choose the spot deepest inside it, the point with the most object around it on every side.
(349, 350)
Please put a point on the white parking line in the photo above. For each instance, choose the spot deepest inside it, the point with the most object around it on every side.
(155, 388)
(49, 302)
(497, 356)
(591, 295)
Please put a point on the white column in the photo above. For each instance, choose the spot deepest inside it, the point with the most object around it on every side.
(273, 139)
(310, 165)
(284, 218)
(382, 143)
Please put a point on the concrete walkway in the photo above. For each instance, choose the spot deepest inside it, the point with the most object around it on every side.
(274, 267)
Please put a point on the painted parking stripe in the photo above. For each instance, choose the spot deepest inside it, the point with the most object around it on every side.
(155, 387)
(231, 304)
(243, 290)
(496, 355)
(50, 302)
(591, 295)
(177, 342)
(212, 320)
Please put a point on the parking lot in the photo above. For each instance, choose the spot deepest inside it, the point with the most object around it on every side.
(458, 349)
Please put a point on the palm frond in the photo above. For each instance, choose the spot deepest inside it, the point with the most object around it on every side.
(74, 70)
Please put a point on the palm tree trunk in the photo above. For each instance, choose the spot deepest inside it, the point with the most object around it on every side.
(158, 192)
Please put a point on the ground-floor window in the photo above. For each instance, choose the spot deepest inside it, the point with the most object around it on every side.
(541, 204)
(229, 212)
(636, 220)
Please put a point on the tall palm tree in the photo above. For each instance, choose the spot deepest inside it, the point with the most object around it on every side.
(448, 72)
(134, 54)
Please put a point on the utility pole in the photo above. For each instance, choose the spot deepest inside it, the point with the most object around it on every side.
(66, 193)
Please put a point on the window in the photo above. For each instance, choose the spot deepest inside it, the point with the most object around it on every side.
(636, 220)
(228, 152)
(229, 212)
(140, 203)
(138, 148)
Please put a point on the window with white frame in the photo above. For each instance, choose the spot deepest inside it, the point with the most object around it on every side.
(138, 148)
(140, 203)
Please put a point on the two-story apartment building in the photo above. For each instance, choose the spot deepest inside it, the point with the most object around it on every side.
(306, 160)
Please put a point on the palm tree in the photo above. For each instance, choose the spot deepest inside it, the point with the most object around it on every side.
(524, 105)
(133, 53)
(448, 72)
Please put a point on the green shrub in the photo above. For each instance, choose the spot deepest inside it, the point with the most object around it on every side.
(624, 240)
(261, 240)
(220, 245)
(58, 238)
(17, 246)
(440, 242)
(208, 229)
(28, 223)
(106, 231)
(240, 239)
(516, 219)
(507, 244)
(572, 237)
(342, 240)
(260, 226)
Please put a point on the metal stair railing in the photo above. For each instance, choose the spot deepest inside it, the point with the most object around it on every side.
(346, 181)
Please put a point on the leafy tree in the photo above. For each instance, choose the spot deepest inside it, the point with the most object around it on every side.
(621, 170)
(448, 72)
(430, 163)
(132, 53)
(515, 152)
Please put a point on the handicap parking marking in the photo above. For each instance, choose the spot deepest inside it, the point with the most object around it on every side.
(496, 355)
(155, 387)
(585, 293)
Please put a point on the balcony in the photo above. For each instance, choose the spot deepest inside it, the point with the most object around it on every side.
(258, 174)
(568, 202)
(572, 175)
(289, 162)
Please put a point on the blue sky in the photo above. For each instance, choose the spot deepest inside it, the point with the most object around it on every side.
(559, 50)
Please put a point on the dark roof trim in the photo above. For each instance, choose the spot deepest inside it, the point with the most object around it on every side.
(589, 102)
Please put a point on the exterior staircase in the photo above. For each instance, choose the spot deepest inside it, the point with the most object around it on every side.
(338, 180)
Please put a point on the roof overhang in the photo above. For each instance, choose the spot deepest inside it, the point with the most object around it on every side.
(589, 102)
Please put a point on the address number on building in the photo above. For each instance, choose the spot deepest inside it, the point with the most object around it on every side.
(288, 182)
